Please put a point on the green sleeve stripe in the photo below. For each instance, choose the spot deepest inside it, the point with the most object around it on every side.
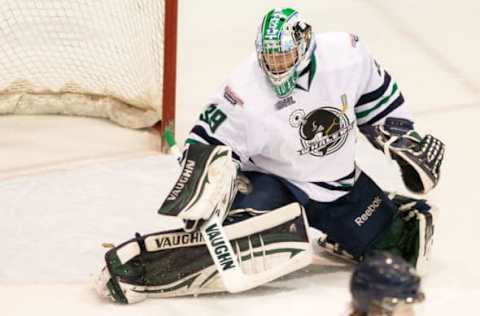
(385, 100)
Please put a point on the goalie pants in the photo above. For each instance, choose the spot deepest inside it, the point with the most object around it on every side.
(354, 221)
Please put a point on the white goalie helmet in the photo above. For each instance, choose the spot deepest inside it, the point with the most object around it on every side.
(284, 42)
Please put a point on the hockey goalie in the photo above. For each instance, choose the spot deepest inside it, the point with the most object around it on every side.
(271, 158)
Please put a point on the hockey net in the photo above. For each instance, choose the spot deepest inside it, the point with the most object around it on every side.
(112, 59)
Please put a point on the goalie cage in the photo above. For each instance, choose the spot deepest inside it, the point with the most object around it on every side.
(113, 59)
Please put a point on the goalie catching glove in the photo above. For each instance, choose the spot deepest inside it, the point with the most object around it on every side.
(206, 186)
(419, 158)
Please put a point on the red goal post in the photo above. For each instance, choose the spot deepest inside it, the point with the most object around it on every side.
(170, 72)
(112, 59)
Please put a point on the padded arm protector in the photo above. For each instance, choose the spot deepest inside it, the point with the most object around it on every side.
(419, 158)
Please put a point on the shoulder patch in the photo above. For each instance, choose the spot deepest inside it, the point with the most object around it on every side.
(232, 97)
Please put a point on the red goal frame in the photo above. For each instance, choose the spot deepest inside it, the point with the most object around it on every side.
(169, 70)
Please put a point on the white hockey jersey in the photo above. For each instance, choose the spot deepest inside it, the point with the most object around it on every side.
(307, 138)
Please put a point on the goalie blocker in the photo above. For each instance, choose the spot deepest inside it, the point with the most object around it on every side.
(178, 263)
(206, 186)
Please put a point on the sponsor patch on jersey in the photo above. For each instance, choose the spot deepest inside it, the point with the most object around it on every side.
(322, 131)
(283, 103)
(232, 97)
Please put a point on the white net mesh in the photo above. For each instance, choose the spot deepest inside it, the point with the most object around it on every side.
(101, 58)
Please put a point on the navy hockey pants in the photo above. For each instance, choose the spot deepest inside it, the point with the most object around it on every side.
(354, 221)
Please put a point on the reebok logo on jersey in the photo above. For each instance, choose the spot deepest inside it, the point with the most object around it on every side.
(362, 219)
(182, 181)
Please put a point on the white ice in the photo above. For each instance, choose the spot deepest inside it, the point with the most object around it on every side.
(69, 184)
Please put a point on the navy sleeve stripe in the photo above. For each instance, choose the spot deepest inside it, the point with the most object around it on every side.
(202, 133)
(376, 94)
(395, 104)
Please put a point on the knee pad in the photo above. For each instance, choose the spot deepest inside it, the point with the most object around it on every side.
(411, 234)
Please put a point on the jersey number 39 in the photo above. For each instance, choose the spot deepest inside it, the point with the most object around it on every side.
(213, 116)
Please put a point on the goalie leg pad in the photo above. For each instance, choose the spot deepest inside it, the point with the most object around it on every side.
(177, 263)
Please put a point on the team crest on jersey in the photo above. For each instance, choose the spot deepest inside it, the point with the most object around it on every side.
(322, 131)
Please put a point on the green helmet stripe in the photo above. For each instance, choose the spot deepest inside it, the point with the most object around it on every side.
(273, 25)
(288, 12)
(264, 24)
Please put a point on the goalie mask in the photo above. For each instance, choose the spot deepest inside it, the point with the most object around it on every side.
(283, 44)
